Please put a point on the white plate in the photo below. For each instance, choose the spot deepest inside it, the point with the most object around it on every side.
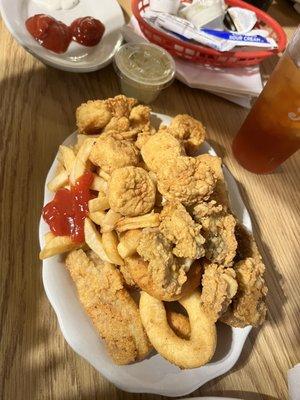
(155, 374)
(77, 58)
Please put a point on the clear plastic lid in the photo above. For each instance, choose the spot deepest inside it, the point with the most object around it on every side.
(145, 64)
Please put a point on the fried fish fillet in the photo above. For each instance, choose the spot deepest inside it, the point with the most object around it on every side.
(114, 313)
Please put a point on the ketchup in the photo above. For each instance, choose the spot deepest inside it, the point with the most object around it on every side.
(65, 214)
(52, 34)
(87, 31)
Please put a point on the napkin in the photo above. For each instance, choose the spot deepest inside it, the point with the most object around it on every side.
(237, 85)
(294, 382)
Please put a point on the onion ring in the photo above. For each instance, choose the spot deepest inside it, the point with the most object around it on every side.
(191, 353)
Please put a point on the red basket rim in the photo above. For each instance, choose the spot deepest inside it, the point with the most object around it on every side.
(281, 42)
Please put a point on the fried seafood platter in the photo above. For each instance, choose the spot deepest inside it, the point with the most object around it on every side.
(144, 228)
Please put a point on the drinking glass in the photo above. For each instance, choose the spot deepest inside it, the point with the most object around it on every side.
(271, 131)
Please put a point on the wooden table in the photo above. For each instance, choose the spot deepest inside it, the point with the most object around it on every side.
(37, 113)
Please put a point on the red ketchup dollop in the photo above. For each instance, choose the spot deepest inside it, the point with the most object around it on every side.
(65, 214)
(52, 34)
(87, 31)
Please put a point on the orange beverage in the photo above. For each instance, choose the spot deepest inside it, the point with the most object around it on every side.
(271, 132)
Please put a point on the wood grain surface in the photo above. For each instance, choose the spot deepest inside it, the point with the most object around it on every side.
(37, 113)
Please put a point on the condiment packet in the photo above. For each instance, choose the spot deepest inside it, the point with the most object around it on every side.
(216, 39)
(240, 20)
(202, 12)
(243, 40)
(166, 6)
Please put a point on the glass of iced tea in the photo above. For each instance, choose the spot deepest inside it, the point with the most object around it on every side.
(271, 131)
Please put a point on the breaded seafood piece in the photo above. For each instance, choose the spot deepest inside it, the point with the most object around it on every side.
(246, 246)
(120, 106)
(139, 272)
(159, 148)
(218, 229)
(110, 153)
(185, 179)
(182, 231)
(92, 116)
(140, 117)
(144, 136)
(188, 130)
(114, 313)
(166, 272)
(220, 193)
(131, 191)
(118, 125)
(219, 286)
(248, 306)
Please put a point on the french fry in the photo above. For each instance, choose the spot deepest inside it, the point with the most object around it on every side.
(150, 220)
(48, 236)
(110, 220)
(93, 240)
(99, 204)
(110, 244)
(68, 157)
(60, 180)
(97, 217)
(99, 184)
(81, 163)
(129, 243)
(57, 245)
(104, 175)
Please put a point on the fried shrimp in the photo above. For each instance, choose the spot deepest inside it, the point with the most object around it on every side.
(159, 148)
(114, 313)
(180, 229)
(120, 106)
(92, 116)
(186, 180)
(188, 130)
(110, 153)
(192, 353)
(131, 191)
(140, 117)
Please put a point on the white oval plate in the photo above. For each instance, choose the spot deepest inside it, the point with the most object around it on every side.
(155, 374)
(77, 58)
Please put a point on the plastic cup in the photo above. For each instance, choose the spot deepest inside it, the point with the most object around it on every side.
(144, 70)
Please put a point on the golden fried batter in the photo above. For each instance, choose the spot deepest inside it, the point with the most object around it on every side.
(131, 191)
(118, 125)
(179, 228)
(159, 148)
(188, 130)
(139, 271)
(248, 307)
(110, 307)
(92, 116)
(140, 117)
(185, 179)
(120, 106)
(219, 286)
(218, 229)
(110, 154)
(166, 271)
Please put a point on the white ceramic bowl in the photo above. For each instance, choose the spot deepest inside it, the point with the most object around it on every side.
(77, 58)
(155, 374)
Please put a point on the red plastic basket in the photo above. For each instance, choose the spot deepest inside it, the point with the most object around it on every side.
(204, 55)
